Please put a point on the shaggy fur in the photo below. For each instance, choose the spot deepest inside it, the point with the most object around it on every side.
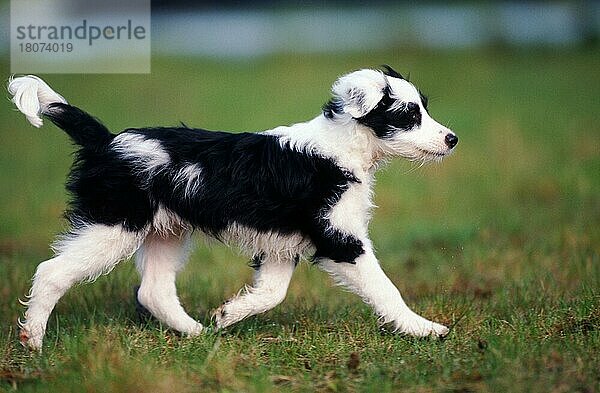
(290, 192)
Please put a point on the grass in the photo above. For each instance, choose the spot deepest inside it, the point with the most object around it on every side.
(501, 240)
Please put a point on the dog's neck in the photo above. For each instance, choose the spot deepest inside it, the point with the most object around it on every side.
(349, 143)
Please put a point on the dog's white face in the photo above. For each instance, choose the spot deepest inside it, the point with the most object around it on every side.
(395, 111)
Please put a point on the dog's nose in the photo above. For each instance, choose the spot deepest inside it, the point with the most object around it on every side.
(451, 140)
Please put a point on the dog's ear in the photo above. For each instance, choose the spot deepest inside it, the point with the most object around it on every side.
(359, 92)
(389, 71)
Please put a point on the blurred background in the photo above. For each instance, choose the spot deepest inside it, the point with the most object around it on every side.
(268, 27)
(235, 29)
(513, 214)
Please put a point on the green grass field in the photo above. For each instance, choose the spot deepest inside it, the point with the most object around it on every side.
(501, 240)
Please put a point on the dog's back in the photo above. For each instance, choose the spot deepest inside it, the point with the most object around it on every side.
(206, 180)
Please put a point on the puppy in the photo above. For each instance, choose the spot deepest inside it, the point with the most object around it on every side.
(280, 195)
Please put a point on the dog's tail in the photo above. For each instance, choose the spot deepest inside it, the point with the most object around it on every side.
(33, 97)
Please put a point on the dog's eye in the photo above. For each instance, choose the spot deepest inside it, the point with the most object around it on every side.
(412, 109)
(407, 118)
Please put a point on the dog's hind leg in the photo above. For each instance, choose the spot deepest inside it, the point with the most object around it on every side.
(84, 254)
(158, 261)
(271, 282)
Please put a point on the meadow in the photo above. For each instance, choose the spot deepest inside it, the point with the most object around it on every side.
(501, 241)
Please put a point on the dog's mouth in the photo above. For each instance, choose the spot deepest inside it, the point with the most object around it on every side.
(433, 153)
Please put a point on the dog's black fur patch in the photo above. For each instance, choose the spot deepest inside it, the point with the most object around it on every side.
(389, 71)
(257, 261)
(333, 107)
(247, 179)
(84, 129)
(103, 188)
(385, 122)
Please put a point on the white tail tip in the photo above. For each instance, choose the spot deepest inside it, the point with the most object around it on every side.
(32, 96)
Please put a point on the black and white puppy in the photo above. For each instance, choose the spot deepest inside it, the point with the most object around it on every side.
(302, 190)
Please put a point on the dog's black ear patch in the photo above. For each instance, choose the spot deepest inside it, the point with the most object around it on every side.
(389, 71)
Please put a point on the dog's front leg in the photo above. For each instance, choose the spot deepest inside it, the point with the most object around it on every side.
(366, 278)
(271, 281)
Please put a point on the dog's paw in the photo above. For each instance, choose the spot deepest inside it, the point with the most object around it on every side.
(227, 315)
(220, 316)
(195, 329)
(420, 327)
(30, 340)
(439, 330)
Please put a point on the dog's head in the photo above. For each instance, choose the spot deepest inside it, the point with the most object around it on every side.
(394, 111)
